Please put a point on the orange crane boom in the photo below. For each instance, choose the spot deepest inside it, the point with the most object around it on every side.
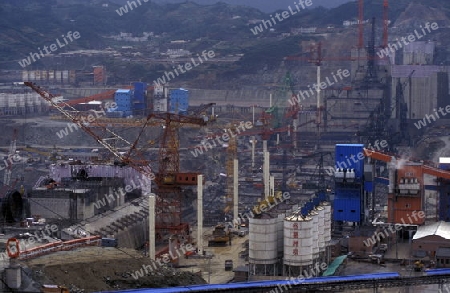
(425, 169)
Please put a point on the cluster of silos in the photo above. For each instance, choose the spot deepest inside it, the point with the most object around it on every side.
(307, 234)
(49, 76)
(288, 239)
(262, 262)
(15, 104)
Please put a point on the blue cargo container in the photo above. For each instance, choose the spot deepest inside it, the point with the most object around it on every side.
(123, 93)
(179, 101)
(140, 86)
(347, 209)
(123, 96)
(124, 99)
(350, 156)
(139, 98)
(140, 91)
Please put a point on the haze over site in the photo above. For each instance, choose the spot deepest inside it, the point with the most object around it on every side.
(263, 5)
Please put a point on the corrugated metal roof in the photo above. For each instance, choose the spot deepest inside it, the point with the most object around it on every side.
(334, 265)
(441, 229)
(420, 70)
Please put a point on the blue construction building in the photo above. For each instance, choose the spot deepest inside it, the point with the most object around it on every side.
(178, 101)
(350, 184)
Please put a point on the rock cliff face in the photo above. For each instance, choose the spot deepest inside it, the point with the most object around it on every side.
(417, 14)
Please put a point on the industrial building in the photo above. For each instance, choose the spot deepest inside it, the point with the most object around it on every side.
(431, 239)
(81, 191)
(23, 103)
(142, 199)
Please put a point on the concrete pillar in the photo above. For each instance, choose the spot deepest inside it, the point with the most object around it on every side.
(151, 226)
(200, 214)
(235, 189)
(266, 174)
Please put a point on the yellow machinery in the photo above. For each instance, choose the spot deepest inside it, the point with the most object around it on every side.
(220, 236)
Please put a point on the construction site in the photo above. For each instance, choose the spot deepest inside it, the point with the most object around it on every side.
(109, 188)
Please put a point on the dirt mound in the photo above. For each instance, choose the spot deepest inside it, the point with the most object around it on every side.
(106, 269)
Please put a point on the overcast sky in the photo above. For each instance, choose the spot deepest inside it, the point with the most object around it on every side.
(265, 5)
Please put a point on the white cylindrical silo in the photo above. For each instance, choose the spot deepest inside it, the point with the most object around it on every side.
(327, 222)
(263, 245)
(321, 242)
(280, 234)
(315, 234)
(298, 243)
(281, 210)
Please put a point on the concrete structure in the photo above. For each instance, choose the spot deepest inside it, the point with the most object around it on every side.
(419, 53)
(443, 257)
(77, 200)
(27, 103)
(80, 191)
(429, 238)
(420, 81)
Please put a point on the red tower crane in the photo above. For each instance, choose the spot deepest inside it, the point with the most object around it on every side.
(360, 24)
(385, 22)
(168, 179)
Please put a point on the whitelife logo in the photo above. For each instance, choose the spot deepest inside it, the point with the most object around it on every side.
(120, 192)
(423, 123)
(47, 232)
(391, 48)
(359, 157)
(124, 9)
(315, 271)
(312, 90)
(225, 137)
(156, 265)
(261, 208)
(393, 228)
(90, 118)
(168, 76)
(279, 17)
(53, 47)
